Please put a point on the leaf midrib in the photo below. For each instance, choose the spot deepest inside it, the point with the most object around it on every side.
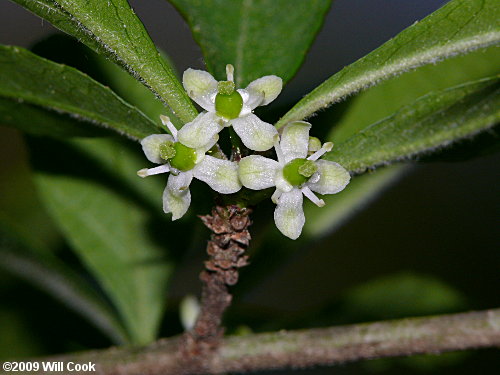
(242, 37)
(105, 237)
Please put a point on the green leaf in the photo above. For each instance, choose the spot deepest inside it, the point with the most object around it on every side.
(39, 121)
(29, 241)
(401, 295)
(51, 11)
(133, 92)
(47, 273)
(321, 221)
(111, 28)
(375, 104)
(21, 211)
(383, 100)
(457, 28)
(108, 227)
(26, 79)
(433, 121)
(64, 49)
(258, 37)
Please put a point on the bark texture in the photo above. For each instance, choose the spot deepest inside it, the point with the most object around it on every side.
(226, 250)
(307, 348)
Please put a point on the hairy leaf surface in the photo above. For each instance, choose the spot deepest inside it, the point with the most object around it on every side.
(383, 100)
(31, 82)
(375, 104)
(433, 121)
(111, 27)
(36, 120)
(457, 28)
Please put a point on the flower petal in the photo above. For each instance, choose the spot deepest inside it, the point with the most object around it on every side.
(276, 196)
(201, 131)
(220, 175)
(257, 172)
(151, 146)
(176, 196)
(269, 86)
(289, 214)
(294, 141)
(251, 100)
(200, 86)
(333, 178)
(281, 183)
(200, 152)
(256, 134)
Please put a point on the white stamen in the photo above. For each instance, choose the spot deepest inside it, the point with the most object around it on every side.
(152, 171)
(230, 72)
(276, 196)
(323, 150)
(312, 197)
(171, 128)
(277, 147)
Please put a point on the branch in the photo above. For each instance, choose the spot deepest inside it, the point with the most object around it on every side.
(226, 249)
(312, 347)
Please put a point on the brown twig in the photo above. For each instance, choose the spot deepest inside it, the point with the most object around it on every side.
(226, 250)
(307, 348)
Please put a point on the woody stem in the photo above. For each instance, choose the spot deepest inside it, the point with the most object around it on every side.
(226, 250)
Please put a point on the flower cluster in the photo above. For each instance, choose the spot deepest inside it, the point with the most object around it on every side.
(297, 172)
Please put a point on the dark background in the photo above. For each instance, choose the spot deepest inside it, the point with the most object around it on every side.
(436, 229)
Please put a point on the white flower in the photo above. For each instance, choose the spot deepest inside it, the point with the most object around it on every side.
(184, 163)
(294, 175)
(226, 106)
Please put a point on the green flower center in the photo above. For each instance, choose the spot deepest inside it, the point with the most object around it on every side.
(179, 156)
(228, 102)
(167, 150)
(298, 171)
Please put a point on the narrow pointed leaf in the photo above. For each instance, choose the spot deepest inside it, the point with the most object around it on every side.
(432, 122)
(36, 120)
(375, 104)
(111, 27)
(64, 49)
(457, 28)
(49, 274)
(41, 85)
(28, 245)
(107, 225)
(339, 208)
(134, 93)
(259, 37)
(52, 12)
(383, 100)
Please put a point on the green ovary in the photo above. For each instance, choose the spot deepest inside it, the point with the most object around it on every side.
(229, 105)
(298, 171)
(184, 158)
